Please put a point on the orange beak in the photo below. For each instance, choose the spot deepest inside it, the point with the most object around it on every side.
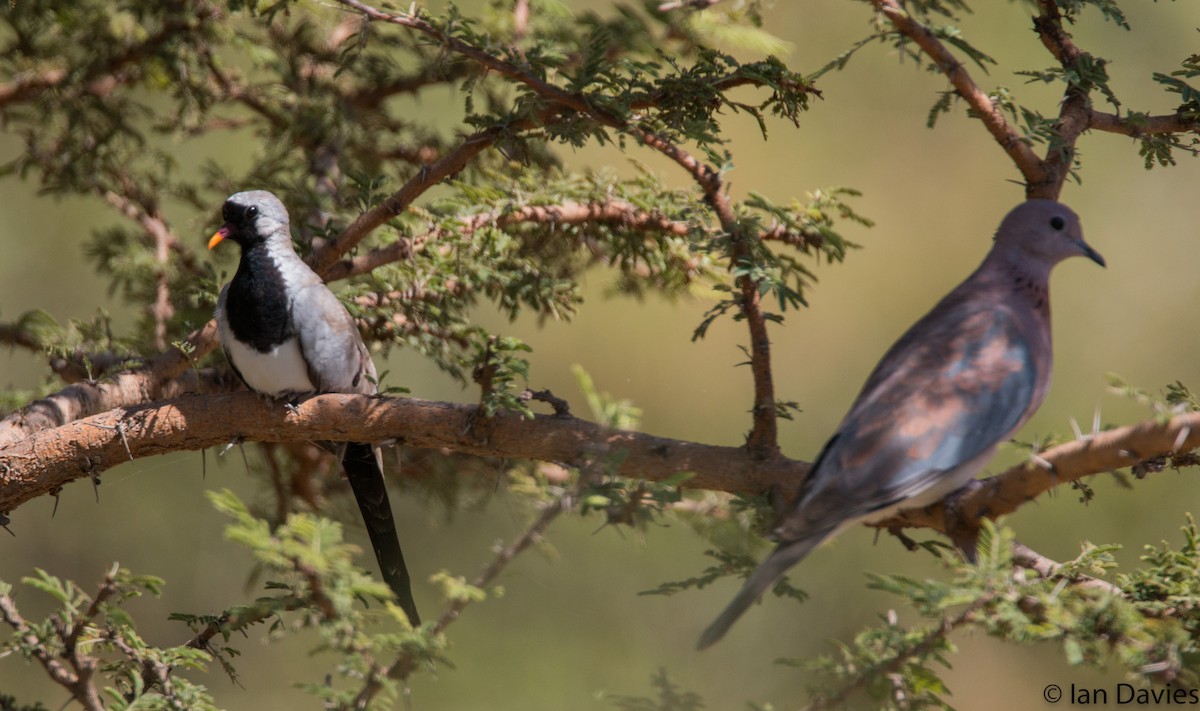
(219, 236)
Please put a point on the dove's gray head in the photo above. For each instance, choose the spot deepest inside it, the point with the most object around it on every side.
(1043, 232)
(252, 217)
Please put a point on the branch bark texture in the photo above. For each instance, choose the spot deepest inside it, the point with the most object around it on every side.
(50, 459)
(45, 462)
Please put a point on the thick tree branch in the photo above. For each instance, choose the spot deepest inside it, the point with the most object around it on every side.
(85, 448)
(1139, 445)
(51, 458)
(1075, 114)
(170, 374)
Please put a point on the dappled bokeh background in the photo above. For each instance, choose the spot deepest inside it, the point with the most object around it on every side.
(572, 630)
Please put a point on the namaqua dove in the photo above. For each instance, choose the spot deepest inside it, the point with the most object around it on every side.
(287, 336)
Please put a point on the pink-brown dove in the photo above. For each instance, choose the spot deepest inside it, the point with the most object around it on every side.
(962, 380)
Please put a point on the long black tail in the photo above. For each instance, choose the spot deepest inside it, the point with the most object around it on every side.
(366, 480)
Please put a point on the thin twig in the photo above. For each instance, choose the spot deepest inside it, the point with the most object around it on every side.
(983, 107)
(1026, 557)
(617, 212)
(882, 668)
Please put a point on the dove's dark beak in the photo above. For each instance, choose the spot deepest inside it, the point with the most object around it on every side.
(1091, 253)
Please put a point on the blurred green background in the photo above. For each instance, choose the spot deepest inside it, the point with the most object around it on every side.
(571, 627)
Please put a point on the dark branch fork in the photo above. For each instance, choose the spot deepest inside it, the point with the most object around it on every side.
(1044, 177)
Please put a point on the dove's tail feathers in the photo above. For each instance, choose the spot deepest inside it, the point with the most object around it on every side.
(366, 481)
(765, 576)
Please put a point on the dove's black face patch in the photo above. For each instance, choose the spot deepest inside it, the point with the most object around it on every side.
(242, 223)
(238, 214)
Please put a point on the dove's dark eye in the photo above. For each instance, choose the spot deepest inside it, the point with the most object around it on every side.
(1057, 222)
(252, 212)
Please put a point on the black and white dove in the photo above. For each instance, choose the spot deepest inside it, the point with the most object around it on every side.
(286, 336)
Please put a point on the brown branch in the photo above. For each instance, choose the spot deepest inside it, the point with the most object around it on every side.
(1138, 126)
(325, 258)
(56, 669)
(1075, 114)
(1006, 492)
(981, 104)
(43, 462)
(1044, 178)
(520, 19)
(469, 51)
(142, 211)
(670, 5)
(162, 309)
(30, 85)
(234, 91)
(435, 72)
(80, 365)
(762, 439)
(169, 374)
(417, 155)
(1048, 25)
(48, 460)
(1046, 568)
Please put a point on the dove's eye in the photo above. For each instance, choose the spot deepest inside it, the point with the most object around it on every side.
(252, 212)
(1057, 222)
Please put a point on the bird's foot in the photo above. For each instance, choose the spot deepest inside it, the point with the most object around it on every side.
(962, 526)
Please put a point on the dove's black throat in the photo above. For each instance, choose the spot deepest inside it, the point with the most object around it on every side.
(257, 305)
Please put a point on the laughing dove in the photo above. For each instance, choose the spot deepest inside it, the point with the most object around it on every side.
(963, 379)
(286, 335)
